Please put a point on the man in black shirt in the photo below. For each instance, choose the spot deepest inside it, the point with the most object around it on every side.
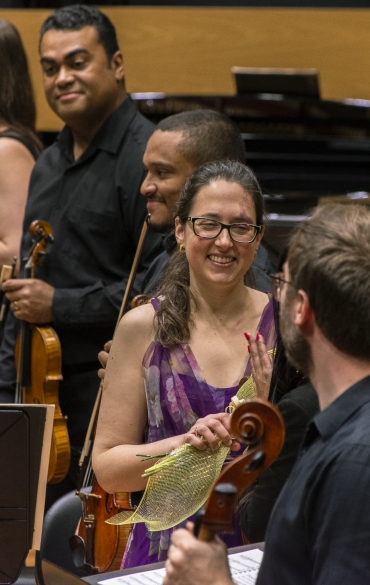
(319, 531)
(87, 186)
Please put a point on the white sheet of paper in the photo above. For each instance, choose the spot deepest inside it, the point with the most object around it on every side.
(244, 568)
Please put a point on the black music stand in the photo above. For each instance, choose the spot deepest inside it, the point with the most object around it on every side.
(25, 437)
(286, 82)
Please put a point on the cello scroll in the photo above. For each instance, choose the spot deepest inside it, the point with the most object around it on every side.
(259, 425)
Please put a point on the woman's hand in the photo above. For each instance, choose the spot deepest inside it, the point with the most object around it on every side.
(261, 365)
(211, 429)
(103, 358)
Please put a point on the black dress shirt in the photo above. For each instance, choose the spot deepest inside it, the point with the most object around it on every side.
(297, 407)
(96, 212)
(319, 531)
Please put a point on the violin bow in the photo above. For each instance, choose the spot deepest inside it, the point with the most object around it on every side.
(86, 450)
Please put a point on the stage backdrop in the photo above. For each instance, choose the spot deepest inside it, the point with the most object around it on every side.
(191, 50)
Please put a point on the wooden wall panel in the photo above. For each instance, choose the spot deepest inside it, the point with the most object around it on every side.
(191, 50)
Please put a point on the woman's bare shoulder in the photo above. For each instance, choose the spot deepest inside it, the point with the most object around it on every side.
(11, 148)
(259, 298)
(137, 323)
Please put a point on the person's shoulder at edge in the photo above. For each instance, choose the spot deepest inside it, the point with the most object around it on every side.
(11, 148)
(15, 144)
(155, 271)
(141, 128)
(304, 396)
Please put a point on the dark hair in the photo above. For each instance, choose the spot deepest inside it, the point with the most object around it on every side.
(17, 105)
(208, 136)
(76, 17)
(173, 319)
(329, 258)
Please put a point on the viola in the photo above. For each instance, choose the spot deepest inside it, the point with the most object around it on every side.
(38, 361)
(98, 547)
(259, 425)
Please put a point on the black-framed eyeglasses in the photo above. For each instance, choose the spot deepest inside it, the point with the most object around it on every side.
(277, 281)
(243, 233)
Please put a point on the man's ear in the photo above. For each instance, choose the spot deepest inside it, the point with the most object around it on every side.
(302, 311)
(117, 65)
(179, 231)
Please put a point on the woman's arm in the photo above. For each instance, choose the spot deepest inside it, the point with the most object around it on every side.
(16, 164)
(123, 412)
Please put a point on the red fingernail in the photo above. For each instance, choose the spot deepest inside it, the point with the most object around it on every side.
(247, 336)
(258, 336)
(249, 349)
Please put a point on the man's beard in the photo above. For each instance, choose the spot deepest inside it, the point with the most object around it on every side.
(298, 350)
(160, 228)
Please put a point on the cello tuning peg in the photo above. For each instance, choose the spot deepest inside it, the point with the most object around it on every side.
(256, 461)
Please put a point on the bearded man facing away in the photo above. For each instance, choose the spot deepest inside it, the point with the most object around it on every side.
(319, 530)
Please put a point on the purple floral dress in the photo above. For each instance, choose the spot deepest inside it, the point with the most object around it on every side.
(177, 395)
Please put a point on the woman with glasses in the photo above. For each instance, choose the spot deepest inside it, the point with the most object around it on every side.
(176, 363)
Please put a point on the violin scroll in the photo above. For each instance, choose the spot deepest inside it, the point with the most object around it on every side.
(42, 234)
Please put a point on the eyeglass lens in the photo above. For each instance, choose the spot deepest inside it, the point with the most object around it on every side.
(239, 232)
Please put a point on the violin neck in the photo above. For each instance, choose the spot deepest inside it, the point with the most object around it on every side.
(24, 374)
(24, 361)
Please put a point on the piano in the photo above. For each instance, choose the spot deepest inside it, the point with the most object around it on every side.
(301, 148)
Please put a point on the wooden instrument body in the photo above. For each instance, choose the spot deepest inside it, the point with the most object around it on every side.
(38, 358)
(46, 375)
(98, 547)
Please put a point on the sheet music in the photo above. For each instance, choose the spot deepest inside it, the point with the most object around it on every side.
(244, 568)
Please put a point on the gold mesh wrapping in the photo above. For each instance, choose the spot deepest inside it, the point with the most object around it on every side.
(180, 483)
(178, 490)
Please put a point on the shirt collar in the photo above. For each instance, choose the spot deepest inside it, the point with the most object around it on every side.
(109, 136)
(327, 422)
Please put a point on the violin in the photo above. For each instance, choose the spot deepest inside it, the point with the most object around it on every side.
(38, 361)
(259, 425)
(98, 547)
